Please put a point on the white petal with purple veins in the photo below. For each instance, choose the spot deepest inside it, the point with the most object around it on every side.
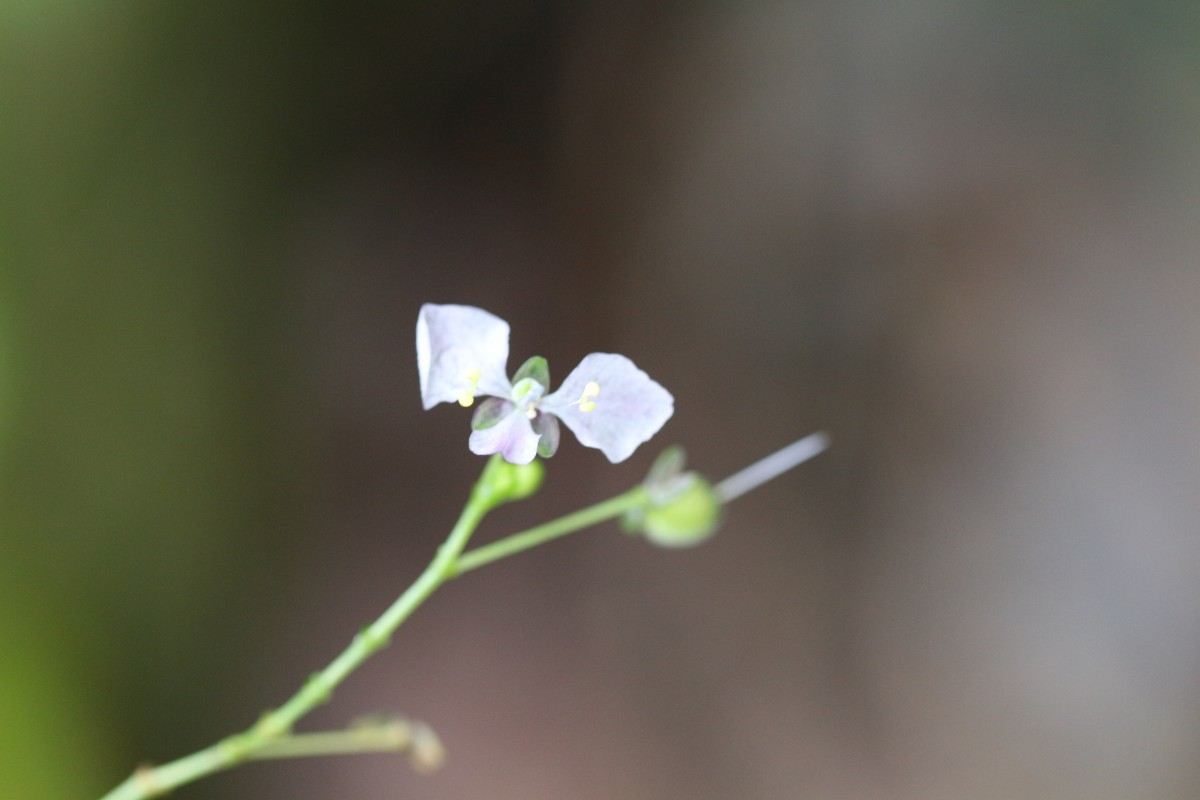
(611, 404)
(462, 352)
(512, 437)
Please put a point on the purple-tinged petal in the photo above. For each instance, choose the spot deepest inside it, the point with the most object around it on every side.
(462, 352)
(512, 437)
(611, 404)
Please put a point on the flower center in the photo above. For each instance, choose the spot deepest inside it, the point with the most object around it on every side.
(587, 400)
(525, 394)
(467, 396)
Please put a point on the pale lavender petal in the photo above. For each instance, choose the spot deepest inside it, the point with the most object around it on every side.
(462, 352)
(628, 408)
(512, 437)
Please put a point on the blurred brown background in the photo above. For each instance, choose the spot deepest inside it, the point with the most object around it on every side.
(961, 237)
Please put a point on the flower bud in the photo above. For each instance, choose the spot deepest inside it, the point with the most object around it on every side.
(504, 482)
(681, 508)
(690, 516)
(427, 753)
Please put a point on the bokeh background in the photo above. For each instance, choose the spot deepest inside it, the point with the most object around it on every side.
(961, 237)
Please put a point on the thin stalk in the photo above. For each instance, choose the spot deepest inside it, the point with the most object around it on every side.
(772, 466)
(519, 542)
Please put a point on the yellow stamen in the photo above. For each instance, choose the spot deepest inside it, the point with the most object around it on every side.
(466, 398)
(586, 403)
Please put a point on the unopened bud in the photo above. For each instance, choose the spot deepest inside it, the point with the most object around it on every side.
(504, 482)
(690, 516)
(427, 753)
(682, 509)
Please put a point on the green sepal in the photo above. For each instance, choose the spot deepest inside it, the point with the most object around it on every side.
(535, 368)
(546, 426)
(489, 412)
(666, 468)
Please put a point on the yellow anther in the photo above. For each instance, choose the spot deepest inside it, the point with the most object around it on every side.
(466, 398)
(586, 401)
(531, 412)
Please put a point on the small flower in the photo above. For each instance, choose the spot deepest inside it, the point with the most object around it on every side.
(610, 404)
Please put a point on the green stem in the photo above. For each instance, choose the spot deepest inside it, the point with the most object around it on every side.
(271, 737)
(330, 743)
(519, 542)
(150, 782)
(375, 637)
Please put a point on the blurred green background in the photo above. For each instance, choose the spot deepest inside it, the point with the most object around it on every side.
(962, 237)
